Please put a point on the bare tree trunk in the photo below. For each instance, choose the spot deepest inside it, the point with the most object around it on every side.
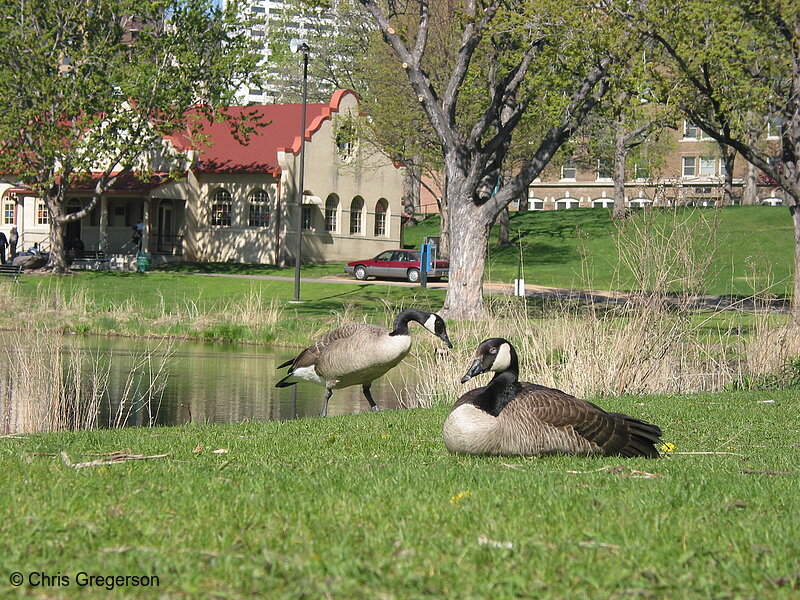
(502, 221)
(728, 160)
(524, 204)
(468, 246)
(444, 223)
(411, 188)
(750, 189)
(58, 261)
(794, 209)
(620, 158)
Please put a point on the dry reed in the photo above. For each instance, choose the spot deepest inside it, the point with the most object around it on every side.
(51, 384)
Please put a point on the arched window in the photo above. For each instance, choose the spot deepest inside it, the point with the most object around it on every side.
(535, 203)
(332, 213)
(603, 203)
(640, 203)
(566, 203)
(221, 209)
(381, 208)
(259, 209)
(356, 215)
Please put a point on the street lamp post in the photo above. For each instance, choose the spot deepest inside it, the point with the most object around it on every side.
(300, 46)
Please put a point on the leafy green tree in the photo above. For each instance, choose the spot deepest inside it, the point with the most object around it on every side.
(347, 51)
(97, 84)
(730, 63)
(535, 66)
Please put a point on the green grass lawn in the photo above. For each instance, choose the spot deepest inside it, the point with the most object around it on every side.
(752, 246)
(371, 506)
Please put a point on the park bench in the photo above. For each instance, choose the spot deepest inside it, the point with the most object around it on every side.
(90, 259)
(12, 271)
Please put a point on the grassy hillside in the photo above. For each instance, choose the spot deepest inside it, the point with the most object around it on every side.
(750, 247)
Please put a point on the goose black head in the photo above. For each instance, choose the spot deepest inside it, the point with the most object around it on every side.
(430, 321)
(435, 324)
(494, 354)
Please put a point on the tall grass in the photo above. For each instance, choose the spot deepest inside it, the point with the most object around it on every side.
(50, 384)
(250, 316)
(647, 342)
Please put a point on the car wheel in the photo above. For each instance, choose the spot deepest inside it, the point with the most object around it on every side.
(413, 275)
(360, 272)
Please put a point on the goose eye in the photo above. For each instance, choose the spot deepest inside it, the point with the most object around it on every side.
(492, 350)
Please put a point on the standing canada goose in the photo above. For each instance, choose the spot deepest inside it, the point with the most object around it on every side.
(359, 353)
(509, 416)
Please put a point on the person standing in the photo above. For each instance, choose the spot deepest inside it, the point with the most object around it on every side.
(13, 238)
(3, 244)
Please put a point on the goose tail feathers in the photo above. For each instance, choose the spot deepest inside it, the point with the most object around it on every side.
(644, 438)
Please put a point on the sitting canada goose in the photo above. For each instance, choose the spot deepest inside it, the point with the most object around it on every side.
(509, 416)
(359, 353)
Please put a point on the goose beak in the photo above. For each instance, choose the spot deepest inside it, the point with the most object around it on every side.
(445, 339)
(475, 369)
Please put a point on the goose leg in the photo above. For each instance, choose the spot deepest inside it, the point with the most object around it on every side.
(368, 395)
(328, 394)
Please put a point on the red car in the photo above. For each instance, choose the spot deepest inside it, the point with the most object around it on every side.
(395, 263)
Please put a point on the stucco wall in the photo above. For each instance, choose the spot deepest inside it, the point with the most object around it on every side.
(331, 173)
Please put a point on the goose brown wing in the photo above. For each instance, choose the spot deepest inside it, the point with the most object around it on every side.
(613, 433)
(340, 335)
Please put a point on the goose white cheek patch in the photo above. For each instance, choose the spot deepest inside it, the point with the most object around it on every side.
(503, 359)
(430, 324)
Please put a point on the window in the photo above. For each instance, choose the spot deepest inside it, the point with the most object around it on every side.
(640, 203)
(307, 220)
(569, 170)
(693, 132)
(708, 167)
(603, 203)
(42, 214)
(535, 204)
(8, 212)
(380, 217)
(567, 203)
(259, 209)
(331, 213)
(689, 166)
(356, 208)
(604, 168)
(221, 209)
(345, 136)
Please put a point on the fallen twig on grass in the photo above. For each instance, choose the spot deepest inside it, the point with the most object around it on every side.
(621, 471)
(712, 453)
(766, 472)
(112, 458)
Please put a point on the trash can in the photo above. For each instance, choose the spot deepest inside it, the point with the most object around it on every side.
(143, 262)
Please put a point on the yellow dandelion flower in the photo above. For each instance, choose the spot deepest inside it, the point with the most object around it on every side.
(667, 447)
(460, 496)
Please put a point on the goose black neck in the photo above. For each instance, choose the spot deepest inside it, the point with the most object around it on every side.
(502, 389)
(403, 319)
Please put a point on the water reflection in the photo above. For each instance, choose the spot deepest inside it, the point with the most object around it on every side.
(180, 382)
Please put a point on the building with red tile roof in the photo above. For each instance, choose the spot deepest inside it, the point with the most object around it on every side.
(236, 199)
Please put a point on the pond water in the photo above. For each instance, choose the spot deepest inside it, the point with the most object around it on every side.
(173, 383)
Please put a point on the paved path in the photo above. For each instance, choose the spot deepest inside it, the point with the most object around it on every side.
(552, 293)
